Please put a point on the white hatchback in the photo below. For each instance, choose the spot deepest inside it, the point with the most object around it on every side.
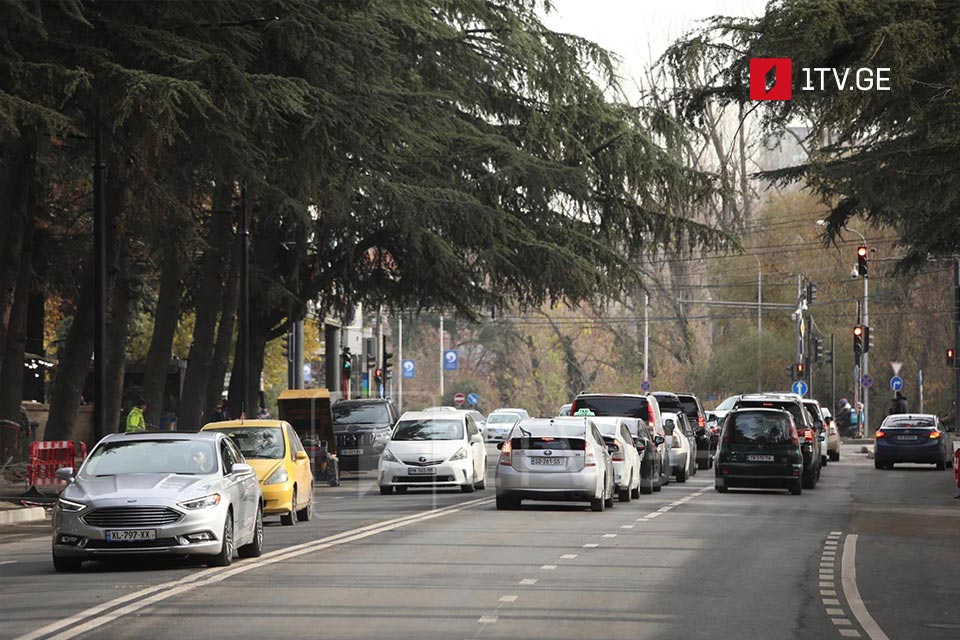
(623, 451)
(433, 450)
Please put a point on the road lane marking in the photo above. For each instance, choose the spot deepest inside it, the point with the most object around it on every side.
(627, 526)
(528, 582)
(652, 515)
(841, 622)
(828, 592)
(849, 633)
(508, 598)
(826, 584)
(609, 535)
(102, 614)
(487, 620)
(832, 601)
(591, 545)
(848, 577)
(665, 509)
(834, 612)
(568, 556)
(836, 534)
(8, 562)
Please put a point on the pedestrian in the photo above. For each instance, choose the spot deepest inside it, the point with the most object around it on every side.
(263, 414)
(898, 404)
(843, 417)
(220, 413)
(136, 422)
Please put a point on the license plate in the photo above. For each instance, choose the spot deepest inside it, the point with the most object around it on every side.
(351, 452)
(759, 458)
(423, 471)
(548, 462)
(131, 535)
(908, 438)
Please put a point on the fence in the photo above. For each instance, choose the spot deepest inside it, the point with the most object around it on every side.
(48, 456)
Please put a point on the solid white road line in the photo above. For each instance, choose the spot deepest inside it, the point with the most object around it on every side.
(8, 562)
(96, 617)
(548, 567)
(848, 576)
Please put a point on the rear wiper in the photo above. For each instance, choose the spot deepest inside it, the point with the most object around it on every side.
(524, 431)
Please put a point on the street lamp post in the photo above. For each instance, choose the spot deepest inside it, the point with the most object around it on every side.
(759, 322)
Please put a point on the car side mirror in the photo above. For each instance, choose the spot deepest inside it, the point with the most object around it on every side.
(500, 445)
(476, 438)
(711, 416)
(241, 468)
(301, 455)
(659, 440)
(65, 473)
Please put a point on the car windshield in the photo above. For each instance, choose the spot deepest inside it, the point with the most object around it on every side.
(757, 428)
(190, 457)
(360, 413)
(428, 429)
(625, 406)
(727, 404)
(502, 418)
(257, 442)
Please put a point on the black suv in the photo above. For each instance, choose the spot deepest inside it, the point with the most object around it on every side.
(760, 448)
(809, 438)
(362, 429)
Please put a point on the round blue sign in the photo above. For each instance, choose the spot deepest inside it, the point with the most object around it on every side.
(896, 383)
(866, 380)
(800, 388)
(473, 398)
(646, 386)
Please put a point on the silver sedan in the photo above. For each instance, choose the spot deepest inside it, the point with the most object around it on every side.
(184, 494)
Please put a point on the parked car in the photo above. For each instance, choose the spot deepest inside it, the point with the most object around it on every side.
(819, 426)
(716, 416)
(562, 459)
(648, 447)
(759, 447)
(499, 425)
(443, 408)
(671, 402)
(707, 437)
(180, 494)
(623, 452)
(564, 410)
(626, 405)
(520, 412)
(683, 454)
(912, 437)
(833, 435)
(282, 465)
(433, 449)
(362, 429)
(809, 441)
(479, 419)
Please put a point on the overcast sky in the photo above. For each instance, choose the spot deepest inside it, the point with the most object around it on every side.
(640, 30)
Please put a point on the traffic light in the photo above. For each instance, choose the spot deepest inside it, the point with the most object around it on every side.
(862, 260)
(811, 292)
(371, 355)
(816, 349)
(378, 376)
(387, 359)
(951, 358)
(346, 362)
(288, 356)
(799, 371)
(867, 340)
(857, 341)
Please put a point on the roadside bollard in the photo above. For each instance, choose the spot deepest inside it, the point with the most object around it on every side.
(956, 470)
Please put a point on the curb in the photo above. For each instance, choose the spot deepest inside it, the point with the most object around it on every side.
(27, 514)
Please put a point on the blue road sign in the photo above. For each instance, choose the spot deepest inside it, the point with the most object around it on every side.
(896, 383)
(450, 360)
(866, 380)
(800, 388)
(646, 386)
(473, 398)
(409, 369)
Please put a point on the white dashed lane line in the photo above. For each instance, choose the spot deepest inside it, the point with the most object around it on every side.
(828, 590)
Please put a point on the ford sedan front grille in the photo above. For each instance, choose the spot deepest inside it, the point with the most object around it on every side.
(131, 517)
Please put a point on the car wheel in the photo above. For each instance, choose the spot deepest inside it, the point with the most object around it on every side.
(597, 504)
(703, 464)
(809, 480)
(467, 488)
(635, 493)
(877, 464)
(505, 504)
(682, 475)
(608, 503)
(941, 465)
(225, 557)
(290, 519)
(483, 481)
(385, 491)
(796, 488)
(255, 547)
(623, 495)
(834, 456)
(306, 514)
(720, 486)
(66, 565)
(823, 461)
(647, 485)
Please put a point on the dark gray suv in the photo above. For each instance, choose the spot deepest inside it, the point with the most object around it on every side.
(362, 429)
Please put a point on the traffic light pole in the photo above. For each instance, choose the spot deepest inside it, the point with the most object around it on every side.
(866, 356)
(833, 377)
(956, 342)
(400, 359)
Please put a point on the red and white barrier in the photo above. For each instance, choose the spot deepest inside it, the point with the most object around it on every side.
(48, 456)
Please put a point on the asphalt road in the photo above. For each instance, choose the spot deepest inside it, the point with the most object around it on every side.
(683, 563)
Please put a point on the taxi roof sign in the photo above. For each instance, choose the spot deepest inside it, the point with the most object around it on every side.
(584, 412)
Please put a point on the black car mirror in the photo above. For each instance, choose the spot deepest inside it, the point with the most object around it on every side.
(659, 440)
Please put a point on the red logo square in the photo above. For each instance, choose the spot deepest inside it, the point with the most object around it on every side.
(771, 78)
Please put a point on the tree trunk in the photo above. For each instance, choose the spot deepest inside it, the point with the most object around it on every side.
(209, 298)
(225, 343)
(11, 378)
(117, 329)
(258, 345)
(164, 328)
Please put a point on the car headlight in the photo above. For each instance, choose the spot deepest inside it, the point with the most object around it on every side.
(461, 454)
(382, 435)
(205, 502)
(386, 455)
(278, 477)
(69, 506)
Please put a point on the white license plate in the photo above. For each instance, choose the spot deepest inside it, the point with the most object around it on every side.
(547, 462)
(131, 535)
(423, 471)
(351, 452)
(759, 458)
(908, 438)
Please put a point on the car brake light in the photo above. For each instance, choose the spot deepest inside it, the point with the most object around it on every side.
(794, 436)
(880, 434)
(505, 453)
(618, 455)
(701, 421)
(808, 435)
(934, 435)
(650, 415)
(590, 458)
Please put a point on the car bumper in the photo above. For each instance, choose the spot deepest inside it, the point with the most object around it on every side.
(575, 486)
(446, 474)
(926, 452)
(73, 538)
(277, 498)
(496, 435)
(678, 460)
(745, 475)
(366, 461)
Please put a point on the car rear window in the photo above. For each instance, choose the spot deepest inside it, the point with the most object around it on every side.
(548, 442)
(793, 408)
(690, 408)
(624, 406)
(910, 424)
(669, 403)
(756, 428)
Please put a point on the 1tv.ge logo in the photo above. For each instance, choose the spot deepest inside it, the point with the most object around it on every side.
(772, 79)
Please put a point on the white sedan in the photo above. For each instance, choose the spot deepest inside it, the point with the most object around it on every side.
(433, 450)
(623, 451)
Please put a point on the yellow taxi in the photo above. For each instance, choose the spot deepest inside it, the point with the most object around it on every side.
(282, 465)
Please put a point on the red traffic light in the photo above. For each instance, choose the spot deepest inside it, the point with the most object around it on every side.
(858, 331)
(862, 251)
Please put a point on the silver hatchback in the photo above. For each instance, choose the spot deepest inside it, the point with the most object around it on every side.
(555, 459)
(184, 494)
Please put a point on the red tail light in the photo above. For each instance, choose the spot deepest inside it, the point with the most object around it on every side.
(590, 458)
(651, 416)
(701, 421)
(618, 454)
(808, 435)
(934, 435)
(506, 452)
(880, 434)
(794, 436)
